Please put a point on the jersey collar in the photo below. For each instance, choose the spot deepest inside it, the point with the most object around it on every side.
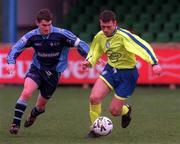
(45, 36)
(113, 32)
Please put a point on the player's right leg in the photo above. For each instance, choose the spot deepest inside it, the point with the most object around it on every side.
(99, 91)
(29, 87)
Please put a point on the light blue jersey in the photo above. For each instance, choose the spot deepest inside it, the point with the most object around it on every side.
(51, 51)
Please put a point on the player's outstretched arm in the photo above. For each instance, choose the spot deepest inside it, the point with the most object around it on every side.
(83, 48)
(73, 41)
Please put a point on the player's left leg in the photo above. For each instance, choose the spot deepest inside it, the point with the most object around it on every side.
(126, 83)
(47, 88)
(36, 111)
(118, 107)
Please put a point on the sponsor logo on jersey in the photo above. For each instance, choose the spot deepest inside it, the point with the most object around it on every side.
(37, 44)
(48, 54)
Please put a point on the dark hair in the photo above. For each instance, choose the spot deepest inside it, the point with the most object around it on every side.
(44, 14)
(107, 15)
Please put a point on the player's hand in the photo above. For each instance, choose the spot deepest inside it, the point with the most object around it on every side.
(157, 69)
(11, 68)
(85, 64)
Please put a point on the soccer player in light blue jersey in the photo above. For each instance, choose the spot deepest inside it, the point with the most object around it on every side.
(120, 73)
(51, 46)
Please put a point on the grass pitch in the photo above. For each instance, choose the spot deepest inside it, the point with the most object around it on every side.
(156, 118)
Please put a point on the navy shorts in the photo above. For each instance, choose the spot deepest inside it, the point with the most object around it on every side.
(122, 81)
(46, 80)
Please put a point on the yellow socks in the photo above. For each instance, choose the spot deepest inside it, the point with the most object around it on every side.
(125, 110)
(95, 112)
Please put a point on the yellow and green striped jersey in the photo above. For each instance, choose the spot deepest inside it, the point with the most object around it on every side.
(120, 49)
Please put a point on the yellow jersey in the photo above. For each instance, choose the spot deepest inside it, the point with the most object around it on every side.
(120, 49)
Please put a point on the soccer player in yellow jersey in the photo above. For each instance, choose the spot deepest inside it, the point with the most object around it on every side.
(120, 73)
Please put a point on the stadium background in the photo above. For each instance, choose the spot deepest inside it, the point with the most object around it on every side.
(156, 112)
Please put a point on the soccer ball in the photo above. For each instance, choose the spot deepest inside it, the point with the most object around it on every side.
(102, 126)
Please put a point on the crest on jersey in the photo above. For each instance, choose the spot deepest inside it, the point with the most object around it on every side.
(107, 44)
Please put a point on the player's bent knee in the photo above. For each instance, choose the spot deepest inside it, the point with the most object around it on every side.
(114, 111)
(95, 100)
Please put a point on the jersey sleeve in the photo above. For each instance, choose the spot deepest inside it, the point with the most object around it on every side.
(18, 48)
(95, 51)
(73, 41)
(140, 47)
(83, 48)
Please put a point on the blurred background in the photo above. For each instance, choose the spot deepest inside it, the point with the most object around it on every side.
(156, 21)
